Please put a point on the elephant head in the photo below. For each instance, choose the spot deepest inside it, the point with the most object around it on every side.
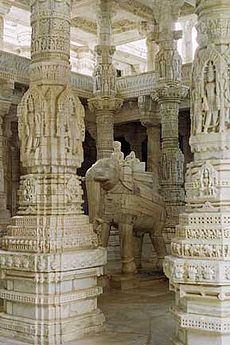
(106, 171)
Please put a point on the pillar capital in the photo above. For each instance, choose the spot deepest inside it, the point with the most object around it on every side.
(105, 51)
(149, 111)
(105, 103)
(104, 109)
(170, 92)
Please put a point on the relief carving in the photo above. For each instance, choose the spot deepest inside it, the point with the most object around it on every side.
(203, 184)
(210, 93)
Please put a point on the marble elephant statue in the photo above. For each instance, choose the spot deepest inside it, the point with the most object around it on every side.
(122, 194)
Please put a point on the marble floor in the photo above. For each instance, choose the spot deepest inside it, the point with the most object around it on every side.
(136, 317)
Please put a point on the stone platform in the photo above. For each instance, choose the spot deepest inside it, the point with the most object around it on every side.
(129, 315)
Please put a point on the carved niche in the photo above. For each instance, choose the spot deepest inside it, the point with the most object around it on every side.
(203, 184)
(210, 93)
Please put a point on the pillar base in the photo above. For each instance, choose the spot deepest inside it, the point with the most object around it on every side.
(50, 299)
(50, 332)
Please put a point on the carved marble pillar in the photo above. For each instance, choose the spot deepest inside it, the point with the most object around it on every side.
(199, 268)
(105, 103)
(150, 118)
(50, 260)
(168, 94)
(172, 159)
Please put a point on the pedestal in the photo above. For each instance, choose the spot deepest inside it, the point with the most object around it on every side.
(49, 298)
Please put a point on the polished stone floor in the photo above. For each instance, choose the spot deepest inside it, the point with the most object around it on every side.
(136, 317)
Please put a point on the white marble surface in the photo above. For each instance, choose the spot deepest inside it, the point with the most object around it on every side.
(129, 315)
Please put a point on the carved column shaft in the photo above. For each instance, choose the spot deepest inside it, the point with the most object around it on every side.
(199, 268)
(105, 122)
(169, 121)
(153, 133)
(172, 159)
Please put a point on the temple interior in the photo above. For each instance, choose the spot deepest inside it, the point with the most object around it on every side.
(115, 172)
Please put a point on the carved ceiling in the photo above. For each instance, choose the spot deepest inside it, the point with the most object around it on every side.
(127, 16)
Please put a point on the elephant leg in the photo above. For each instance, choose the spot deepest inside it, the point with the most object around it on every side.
(127, 250)
(159, 246)
(105, 232)
(138, 243)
